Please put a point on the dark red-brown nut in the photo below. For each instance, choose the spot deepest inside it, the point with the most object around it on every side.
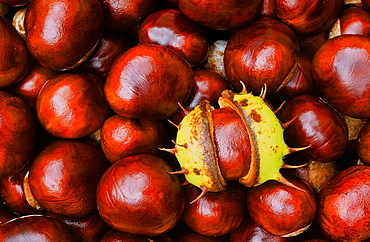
(363, 146)
(110, 46)
(6, 215)
(61, 34)
(18, 134)
(208, 85)
(280, 209)
(215, 213)
(122, 137)
(171, 28)
(315, 124)
(64, 176)
(90, 228)
(352, 20)
(340, 68)
(148, 81)
(72, 105)
(15, 59)
(37, 228)
(343, 205)
(262, 53)
(29, 87)
(12, 193)
(302, 81)
(184, 234)
(234, 155)
(115, 236)
(268, 9)
(311, 43)
(124, 15)
(137, 195)
(307, 17)
(249, 231)
(220, 14)
(15, 3)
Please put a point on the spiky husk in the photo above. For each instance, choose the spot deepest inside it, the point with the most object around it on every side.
(196, 151)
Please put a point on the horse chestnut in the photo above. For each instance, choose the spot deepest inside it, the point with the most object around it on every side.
(61, 34)
(18, 134)
(64, 177)
(343, 205)
(15, 58)
(220, 14)
(264, 52)
(282, 210)
(72, 105)
(340, 71)
(136, 195)
(37, 228)
(148, 81)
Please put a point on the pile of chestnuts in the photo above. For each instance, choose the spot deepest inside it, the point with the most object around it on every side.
(184, 120)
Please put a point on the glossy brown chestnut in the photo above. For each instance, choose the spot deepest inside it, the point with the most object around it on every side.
(280, 209)
(61, 34)
(6, 215)
(110, 46)
(340, 72)
(208, 86)
(18, 134)
(15, 58)
(184, 234)
(220, 14)
(363, 146)
(302, 81)
(14, 3)
(122, 16)
(214, 214)
(268, 9)
(171, 28)
(234, 152)
(148, 81)
(249, 231)
(343, 206)
(264, 52)
(91, 228)
(315, 124)
(30, 85)
(115, 236)
(137, 195)
(64, 176)
(37, 228)
(72, 105)
(122, 137)
(307, 17)
(12, 193)
(352, 20)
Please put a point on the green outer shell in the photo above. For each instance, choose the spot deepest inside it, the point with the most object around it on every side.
(196, 151)
(268, 135)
